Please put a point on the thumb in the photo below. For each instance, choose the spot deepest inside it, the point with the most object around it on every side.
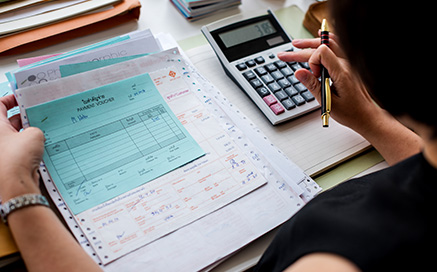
(310, 81)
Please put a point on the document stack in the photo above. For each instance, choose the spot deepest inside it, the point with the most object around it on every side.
(198, 9)
(147, 161)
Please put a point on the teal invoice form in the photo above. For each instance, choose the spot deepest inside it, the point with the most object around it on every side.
(106, 141)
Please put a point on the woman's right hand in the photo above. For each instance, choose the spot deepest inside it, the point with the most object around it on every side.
(352, 106)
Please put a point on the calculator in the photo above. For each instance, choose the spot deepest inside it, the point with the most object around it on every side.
(247, 49)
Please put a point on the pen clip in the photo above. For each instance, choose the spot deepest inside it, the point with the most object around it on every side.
(326, 114)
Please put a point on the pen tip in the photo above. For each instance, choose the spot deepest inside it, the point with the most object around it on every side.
(324, 26)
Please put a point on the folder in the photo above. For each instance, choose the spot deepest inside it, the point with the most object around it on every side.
(41, 37)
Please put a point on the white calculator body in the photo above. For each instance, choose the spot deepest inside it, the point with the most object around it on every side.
(247, 48)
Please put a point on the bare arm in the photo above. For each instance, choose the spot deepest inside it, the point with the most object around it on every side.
(43, 241)
(352, 106)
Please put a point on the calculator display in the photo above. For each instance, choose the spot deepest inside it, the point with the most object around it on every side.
(247, 37)
(247, 33)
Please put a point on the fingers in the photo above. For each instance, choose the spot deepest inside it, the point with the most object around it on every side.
(16, 122)
(324, 56)
(310, 81)
(8, 101)
(299, 56)
(315, 43)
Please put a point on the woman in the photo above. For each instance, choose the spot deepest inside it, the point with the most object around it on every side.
(379, 222)
(383, 221)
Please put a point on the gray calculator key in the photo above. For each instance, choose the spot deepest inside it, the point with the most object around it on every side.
(241, 66)
(284, 83)
(256, 83)
(250, 63)
(260, 71)
(277, 75)
(286, 71)
(263, 91)
(259, 60)
(300, 87)
(274, 87)
(291, 91)
(305, 65)
(293, 79)
(270, 67)
(298, 99)
(295, 66)
(308, 96)
(280, 64)
(281, 95)
(288, 104)
(267, 79)
(249, 75)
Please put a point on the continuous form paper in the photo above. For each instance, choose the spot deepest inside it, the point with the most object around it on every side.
(106, 141)
(47, 74)
(139, 216)
(219, 233)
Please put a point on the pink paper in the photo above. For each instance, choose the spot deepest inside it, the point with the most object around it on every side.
(24, 62)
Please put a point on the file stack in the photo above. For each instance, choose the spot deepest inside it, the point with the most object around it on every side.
(198, 9)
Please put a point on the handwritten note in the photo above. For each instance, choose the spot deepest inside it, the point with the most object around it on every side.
(106, 141)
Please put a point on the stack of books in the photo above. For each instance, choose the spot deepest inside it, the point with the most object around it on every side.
(198, 9)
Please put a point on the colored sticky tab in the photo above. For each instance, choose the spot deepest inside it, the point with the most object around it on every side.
(109, 140)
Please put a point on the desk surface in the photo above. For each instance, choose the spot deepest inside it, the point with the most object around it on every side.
(161, 16)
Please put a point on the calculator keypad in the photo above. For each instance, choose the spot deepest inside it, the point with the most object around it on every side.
(276, 84)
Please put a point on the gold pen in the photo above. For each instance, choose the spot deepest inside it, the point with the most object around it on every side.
(326, 89)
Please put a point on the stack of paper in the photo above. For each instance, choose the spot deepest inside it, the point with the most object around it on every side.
(197, 9)
(148, 162)
(31, 24)
(24, 15)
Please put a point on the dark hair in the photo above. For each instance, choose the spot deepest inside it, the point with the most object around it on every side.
(382, 43)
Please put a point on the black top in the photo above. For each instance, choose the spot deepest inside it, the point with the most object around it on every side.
(381, 222)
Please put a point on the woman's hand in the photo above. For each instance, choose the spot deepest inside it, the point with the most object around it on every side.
(21, 154)
(352, 106)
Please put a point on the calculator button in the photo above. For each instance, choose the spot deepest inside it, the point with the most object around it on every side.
(296, 66)
(291, 91)
(270, 67)
(274, 87)
(270, 100)
(305, 65)
(280, 64)
(267, 79)
(250, 63)
(259, 60)
(284, 83)
(308, 96)
(241, 66)
(281, 95)
(272, 56)
(260, 71)
(288, 104)
(300, 87)
(256, 83)
(277, 108)
(293, 79)
(263, 91)
(277, 75)
(286, 71)
(249, 75)
(299, 100)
